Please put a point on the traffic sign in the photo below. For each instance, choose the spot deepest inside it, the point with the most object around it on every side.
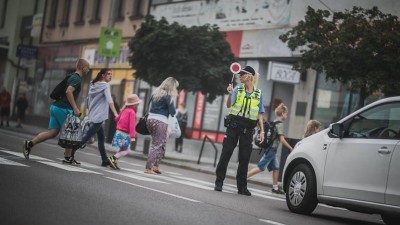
(110, 41)
(235, 67)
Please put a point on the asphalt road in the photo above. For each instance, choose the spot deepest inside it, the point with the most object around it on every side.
(43, 191)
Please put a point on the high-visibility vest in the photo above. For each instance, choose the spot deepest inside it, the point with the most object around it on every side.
(246, 107)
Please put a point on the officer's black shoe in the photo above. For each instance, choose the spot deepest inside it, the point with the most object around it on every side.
(218, 188)
(244, 192)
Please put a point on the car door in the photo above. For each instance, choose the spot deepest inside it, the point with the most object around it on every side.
(392, 196)
(357, 165)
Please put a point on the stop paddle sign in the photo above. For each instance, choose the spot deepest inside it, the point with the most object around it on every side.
(235, 67)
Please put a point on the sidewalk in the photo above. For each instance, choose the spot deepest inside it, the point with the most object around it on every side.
(188, 159)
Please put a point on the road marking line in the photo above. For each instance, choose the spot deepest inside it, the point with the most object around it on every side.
(4, 161)
(136, 177)
(155, 190)
(271, 222)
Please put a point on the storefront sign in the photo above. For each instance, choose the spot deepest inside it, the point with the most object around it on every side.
(282, 73)
(25, 51)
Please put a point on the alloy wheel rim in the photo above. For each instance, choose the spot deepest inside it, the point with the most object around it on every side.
(297, 188)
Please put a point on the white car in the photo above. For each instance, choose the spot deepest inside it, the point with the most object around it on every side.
(354, 164)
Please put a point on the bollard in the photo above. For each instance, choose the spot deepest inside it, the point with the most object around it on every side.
(146, 146)
(133, 146)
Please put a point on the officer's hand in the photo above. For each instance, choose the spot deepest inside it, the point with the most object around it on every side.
(230, 88)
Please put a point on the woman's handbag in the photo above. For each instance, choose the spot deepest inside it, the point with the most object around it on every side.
(174, 131)
(141, 126)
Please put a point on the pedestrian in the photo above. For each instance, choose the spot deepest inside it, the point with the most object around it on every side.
(162, 106)
(59, 110)
(312, 127)
(246, 110)
(5, 101)
(269, 159)
(126, 131)
(182, 117)
(22, 104)
(99, 101)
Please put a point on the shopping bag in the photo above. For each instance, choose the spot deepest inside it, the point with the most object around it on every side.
(141, 126)
(174, 131)
(71, 132)
(85, 127)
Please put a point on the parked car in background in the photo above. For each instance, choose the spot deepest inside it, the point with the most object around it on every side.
(354, 164)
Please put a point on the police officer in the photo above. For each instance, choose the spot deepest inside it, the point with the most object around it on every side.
(246, 109)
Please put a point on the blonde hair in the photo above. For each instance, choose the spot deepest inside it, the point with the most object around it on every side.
(312, 127)
(254, 79)
(280, 109)
(81, 63)
(167, 87)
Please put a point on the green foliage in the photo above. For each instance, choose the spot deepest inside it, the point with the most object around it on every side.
(198, 57)
(360, 47)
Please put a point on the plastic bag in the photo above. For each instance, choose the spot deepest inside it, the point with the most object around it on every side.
(85, 127)
(71, 132)
(174, 131)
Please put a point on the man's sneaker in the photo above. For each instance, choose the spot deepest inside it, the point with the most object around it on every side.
(278, 191)
(26, 149)
(112, 161)
(244, 192)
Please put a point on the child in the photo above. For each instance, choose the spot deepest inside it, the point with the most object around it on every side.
(126, 132)
(269, 159)
(313, 126)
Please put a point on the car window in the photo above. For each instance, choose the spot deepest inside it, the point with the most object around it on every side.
(380, 122)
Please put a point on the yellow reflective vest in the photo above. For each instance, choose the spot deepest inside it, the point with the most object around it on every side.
(246, 107)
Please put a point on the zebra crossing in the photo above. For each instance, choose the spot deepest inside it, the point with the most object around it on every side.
(11, 158)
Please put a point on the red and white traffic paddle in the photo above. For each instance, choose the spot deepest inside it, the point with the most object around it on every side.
(235, 69)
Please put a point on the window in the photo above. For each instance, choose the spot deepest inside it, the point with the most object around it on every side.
(51, 23)
(96, 18)
(119, 10)
(381, 122)
(65, 15)
(137, 10)
(3, 12)
(80, 12)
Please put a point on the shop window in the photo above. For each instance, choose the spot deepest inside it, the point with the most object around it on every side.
(51, 22)
(137, 10)
(80, 12)
(3, 13)
(96, 18)
(65, 15)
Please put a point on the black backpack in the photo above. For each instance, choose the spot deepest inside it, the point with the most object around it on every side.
(269, 136)
(59, 91)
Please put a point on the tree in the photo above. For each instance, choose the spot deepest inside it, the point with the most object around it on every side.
(198, 57)
(360, 47)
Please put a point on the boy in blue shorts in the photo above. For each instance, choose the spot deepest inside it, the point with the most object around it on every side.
(59, 110)
(269, 159)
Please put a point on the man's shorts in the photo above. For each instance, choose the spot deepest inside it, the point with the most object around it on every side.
(269, 160)
(58, 116)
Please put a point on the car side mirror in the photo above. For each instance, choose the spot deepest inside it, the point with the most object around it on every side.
(337, 130)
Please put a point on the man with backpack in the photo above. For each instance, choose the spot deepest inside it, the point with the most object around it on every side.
(64, 104)
(269, 159)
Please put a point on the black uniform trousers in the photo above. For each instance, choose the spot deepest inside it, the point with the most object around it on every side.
(245, 138)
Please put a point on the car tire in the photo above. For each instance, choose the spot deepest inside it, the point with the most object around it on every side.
(390, 219)
(301, 191)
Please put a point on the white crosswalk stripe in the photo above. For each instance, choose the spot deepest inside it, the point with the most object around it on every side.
(4, 161)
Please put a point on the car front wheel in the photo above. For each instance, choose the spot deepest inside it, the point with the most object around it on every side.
(301, 192)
